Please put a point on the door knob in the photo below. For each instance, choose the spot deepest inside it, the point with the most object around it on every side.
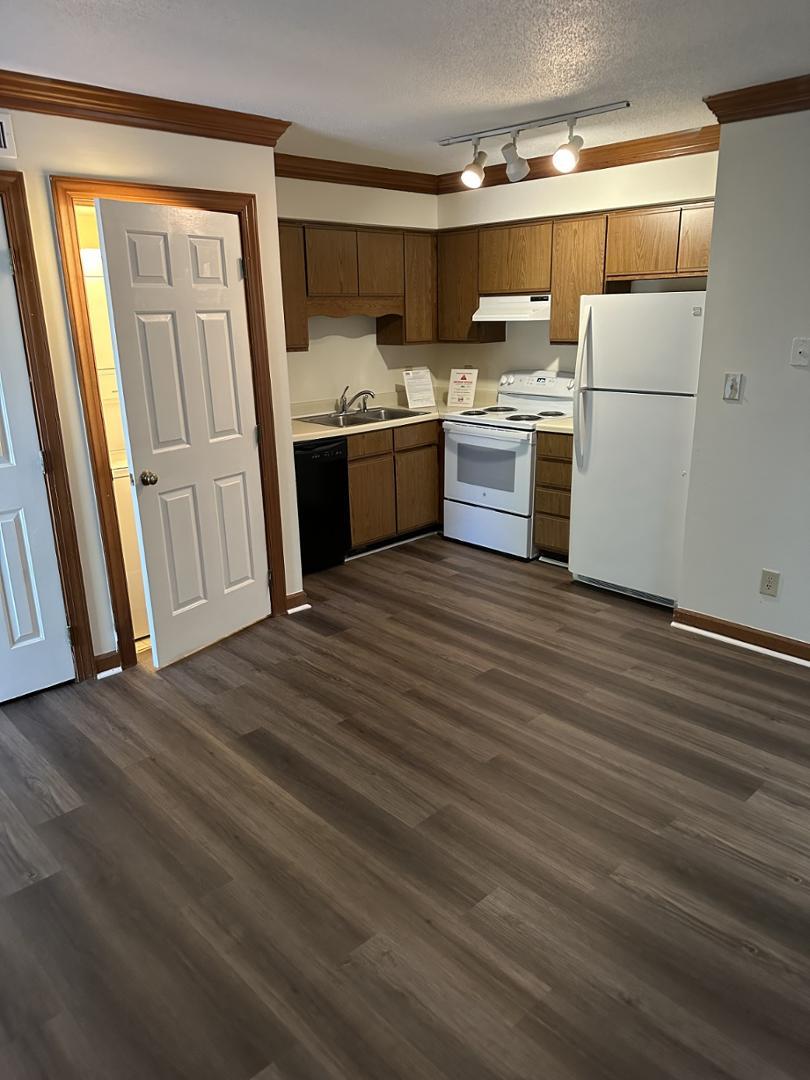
(148, 478)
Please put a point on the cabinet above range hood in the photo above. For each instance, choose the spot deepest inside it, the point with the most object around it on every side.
(534, 307)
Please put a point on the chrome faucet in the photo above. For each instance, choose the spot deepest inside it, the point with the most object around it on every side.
(344, 405)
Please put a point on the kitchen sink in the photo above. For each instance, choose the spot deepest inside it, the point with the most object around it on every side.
(352, 419)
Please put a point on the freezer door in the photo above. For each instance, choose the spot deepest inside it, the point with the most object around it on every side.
(643, 341)
(628, 497)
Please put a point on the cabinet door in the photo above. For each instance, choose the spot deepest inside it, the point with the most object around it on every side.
(331, 262)
(458, 284)
(420, 287)
(515, 259)
(294, 286)
(577, 269)
(372, 499)
(642, 242)
(696, 238)
(417, 488)
(380, 269)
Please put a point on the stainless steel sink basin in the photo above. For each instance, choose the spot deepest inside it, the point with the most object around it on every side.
(369, 416)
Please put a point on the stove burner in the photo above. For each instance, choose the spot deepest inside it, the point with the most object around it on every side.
(473, 412)
(524, 416)
(500, 408)
(552, 412)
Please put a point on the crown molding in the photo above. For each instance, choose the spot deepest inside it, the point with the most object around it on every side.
(80, 101)
(767, 99)
(652, 148)
(293, 167)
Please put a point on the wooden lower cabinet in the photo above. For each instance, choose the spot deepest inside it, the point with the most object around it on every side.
(551, 533)
(372, 499)
(552, 495)
(417, 480)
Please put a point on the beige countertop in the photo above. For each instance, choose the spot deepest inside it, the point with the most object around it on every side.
(303, 431)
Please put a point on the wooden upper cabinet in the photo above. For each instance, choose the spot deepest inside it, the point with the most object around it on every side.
(458, 290)
(642, 242)
(577, 269)
(380, 263)
(696, 238)
(420, 287)
(515, 259)
(294, 286)
(331, 262)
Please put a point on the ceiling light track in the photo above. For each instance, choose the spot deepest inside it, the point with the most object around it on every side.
(565, 158)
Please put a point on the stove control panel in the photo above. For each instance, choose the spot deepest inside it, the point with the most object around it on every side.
(543, 383)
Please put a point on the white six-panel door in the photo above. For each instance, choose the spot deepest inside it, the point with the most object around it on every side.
(177, 308)
(34, 648)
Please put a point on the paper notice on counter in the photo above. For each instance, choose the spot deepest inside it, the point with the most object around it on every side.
(461, 391)
(419, 388)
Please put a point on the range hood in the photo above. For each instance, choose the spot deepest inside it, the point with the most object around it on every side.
(533, 307)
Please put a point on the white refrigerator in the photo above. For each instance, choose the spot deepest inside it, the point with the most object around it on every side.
(634, 407)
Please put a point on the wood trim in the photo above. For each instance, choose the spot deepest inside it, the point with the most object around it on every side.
(107, 661)
(71, 191)
(339, 307)
(82, 101)
(46, 410)
(652, 148)
(747, 634)
(766, 99)
(296, 599)
(293, 167)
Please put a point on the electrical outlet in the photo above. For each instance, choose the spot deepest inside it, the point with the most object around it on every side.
(769, 582)
(732, 387)
(800, 352)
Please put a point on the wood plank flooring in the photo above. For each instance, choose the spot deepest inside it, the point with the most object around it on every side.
(461, 820)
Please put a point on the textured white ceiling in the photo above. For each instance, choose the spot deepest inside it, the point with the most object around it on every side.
(379, 81)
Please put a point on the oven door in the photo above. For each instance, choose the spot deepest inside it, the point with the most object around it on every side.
(489, 467)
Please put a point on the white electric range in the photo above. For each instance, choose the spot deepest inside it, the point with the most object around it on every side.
(489, 461)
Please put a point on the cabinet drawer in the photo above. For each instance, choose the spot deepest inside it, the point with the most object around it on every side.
(426, 434)
(552, 501)
(555, 474)
(551, 533)
(551, 445)
(369, 443)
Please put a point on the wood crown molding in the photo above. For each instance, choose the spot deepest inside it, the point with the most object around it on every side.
(653, 148)
(767, 99)
(749, 635)
(80, 101)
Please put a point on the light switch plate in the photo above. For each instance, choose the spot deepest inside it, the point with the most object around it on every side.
(732, 387)
(800, 352)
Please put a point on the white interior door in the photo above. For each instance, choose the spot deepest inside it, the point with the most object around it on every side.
(34, 648)
(177, 308)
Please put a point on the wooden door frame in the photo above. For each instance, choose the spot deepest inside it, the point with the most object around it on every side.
(46, 412)
(69, 192)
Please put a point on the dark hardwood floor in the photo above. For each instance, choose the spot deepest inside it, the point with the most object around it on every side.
(461, 820)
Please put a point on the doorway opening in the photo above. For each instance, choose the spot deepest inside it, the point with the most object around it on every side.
(121, 468)
(88, 304)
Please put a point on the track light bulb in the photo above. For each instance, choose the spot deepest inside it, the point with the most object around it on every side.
(517, 168)
(566, 157)
(473, 174)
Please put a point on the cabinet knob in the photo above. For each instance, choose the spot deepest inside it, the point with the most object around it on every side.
(148, 478)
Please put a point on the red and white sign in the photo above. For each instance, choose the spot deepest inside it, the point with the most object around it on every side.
(461, 391)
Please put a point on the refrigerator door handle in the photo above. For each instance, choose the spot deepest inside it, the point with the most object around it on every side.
(584, 331)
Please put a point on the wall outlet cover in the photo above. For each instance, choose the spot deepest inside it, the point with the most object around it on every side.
(769, 582)
(732, 386)
(800, 352)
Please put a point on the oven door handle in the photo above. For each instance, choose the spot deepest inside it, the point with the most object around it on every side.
(483, 434)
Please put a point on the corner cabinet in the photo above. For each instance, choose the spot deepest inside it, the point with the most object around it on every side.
(459, 290)
(417, 325)
(577, 270)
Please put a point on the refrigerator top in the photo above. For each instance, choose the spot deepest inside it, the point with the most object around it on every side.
(641, 342)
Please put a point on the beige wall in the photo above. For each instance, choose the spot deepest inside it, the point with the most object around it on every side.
(49, 145)
(312, 200)
(749, 494)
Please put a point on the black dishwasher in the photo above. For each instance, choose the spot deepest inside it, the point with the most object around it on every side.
(322, 478)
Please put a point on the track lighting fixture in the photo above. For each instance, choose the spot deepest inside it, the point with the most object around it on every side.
(564, 159)
(473, 174)
(566, 156)
(517, 168)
